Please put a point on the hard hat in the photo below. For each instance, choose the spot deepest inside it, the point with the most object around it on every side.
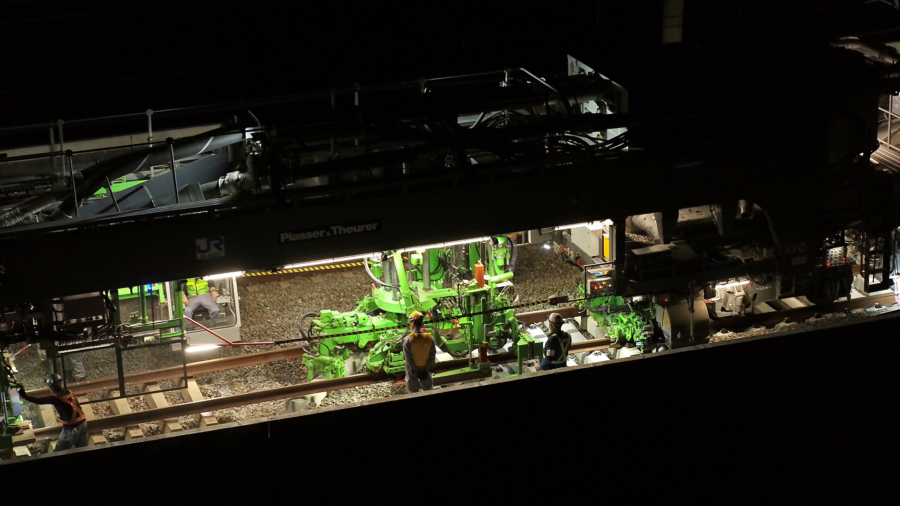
(54, 380)
(416, 315)
(555, 318)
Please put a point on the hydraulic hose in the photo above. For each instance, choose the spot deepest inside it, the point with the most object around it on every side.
(25, 209)
(369, 272)
(302, 333)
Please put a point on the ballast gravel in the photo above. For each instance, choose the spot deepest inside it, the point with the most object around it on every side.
(272, 310)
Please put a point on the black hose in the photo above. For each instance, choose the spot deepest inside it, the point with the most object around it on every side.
(302, 333)
(320, 343)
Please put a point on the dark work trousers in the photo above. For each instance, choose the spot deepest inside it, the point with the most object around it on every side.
(74, 435)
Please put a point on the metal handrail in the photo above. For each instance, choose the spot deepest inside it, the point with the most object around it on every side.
(216, 107)
(51, 154)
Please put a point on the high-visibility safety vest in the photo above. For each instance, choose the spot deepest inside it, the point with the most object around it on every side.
(420, 344)
(564, 342)
(77, 412)
(196, 286)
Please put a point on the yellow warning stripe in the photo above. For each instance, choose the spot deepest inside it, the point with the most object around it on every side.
(306, 269)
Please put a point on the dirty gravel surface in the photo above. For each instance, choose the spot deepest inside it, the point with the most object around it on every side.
(541, 274)
(824, 321)
(272, 311)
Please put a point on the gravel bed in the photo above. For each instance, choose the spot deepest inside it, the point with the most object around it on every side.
(271, 311)
(253, 411)
(541, 274)
(363, 393)
(824, 321)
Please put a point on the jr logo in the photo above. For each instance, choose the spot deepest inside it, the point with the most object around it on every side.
(210, 247)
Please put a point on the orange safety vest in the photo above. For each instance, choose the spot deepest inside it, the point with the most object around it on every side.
(420, 347)
(77, 412)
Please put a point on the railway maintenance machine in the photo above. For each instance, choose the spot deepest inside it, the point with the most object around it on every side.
(678, 215)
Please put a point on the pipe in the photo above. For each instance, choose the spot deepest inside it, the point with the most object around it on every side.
(68, 161)
(369, 272)
(26, 209)
(95, 176)
(879, 53)
(400, 271)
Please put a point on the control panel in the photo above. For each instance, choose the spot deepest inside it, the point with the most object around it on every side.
(600, 279)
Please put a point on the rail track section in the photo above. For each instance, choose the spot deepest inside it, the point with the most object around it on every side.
(203, 406)
(167, 415)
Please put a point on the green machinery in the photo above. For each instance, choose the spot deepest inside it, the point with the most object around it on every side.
(143, 294)
(624, 323)
(11, 410)
(429, 284)
(140, 321)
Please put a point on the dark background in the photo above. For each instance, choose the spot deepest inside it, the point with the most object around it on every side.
(86, 58)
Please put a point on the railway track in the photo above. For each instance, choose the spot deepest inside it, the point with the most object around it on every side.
(248, 360)
(803, 313)
(293, 391)
(207, 405)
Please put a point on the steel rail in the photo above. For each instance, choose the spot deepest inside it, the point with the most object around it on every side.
(248, 360)
(293, 353)
(276, 394)
(177, 372)
(802, 313)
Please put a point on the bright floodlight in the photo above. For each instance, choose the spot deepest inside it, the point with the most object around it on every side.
(201, 347)
(546, 245)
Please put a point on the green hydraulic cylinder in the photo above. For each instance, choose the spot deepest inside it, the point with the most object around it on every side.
(433, 262)
(142, 298)
(474, 255)
(401, 274)
(402, 282)
(177, 304)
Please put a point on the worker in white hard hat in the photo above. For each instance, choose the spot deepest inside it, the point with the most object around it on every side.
(419, 354)
(556, 349)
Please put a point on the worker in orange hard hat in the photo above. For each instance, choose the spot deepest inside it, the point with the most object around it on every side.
(419, 354)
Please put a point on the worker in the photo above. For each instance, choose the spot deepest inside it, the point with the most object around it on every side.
(74, 423)
(556, 349)
(76, 370)
(197, 292)
(418, 353)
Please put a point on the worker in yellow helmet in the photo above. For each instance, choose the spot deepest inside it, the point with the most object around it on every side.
(418, 353)
(197, 292)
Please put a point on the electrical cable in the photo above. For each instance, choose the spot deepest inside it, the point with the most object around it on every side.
(302, 333)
